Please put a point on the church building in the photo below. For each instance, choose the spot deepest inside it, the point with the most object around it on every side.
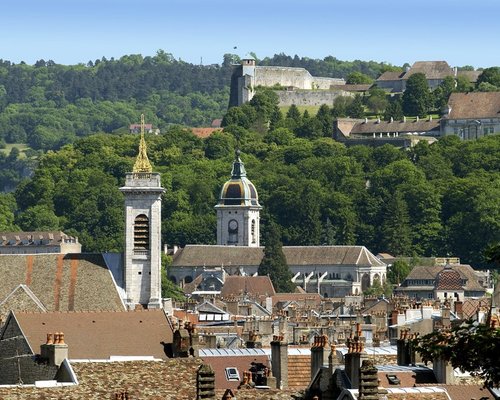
(332, 271)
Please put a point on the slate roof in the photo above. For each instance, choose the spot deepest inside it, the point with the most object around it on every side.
(211, 256)
(100, 335)
(253, 285)
(61, 282)
(474, 105)
(431, 69)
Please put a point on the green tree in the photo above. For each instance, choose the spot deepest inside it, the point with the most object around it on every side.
(489, 75)
(377, 100)
(471, 347)
(416, 97)
(274, 262)
(395, 229)
(357, 78)
(398, 271)
(325, 118)
(394, 110)
(356, 109)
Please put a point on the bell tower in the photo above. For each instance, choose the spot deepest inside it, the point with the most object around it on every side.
(238, 210)
(142, 258)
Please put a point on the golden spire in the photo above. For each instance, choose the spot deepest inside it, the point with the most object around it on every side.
(142, 163)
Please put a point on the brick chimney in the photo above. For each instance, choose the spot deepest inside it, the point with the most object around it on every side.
(54, 350)
(319, 354)
(279, 360)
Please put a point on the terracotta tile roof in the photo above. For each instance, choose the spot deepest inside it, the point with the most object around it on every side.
(390, 76)
(448, 279)
(272, 394)
(240, 362)
(99, 335)
(407, 378)
(474, 105)
(308, 298)
(375, 126)
(152, 380)
(61, 282)
(430, 273)
(431, 69)
(459, 392)
(211, 256)
(299, 370)
(253, 285)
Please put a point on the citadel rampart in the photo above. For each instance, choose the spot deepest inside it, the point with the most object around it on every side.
(312, 90)
(309, 97)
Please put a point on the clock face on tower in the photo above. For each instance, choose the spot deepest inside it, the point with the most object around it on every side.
(233, 225)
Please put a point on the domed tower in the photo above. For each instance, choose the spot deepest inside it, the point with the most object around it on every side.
(238, 210)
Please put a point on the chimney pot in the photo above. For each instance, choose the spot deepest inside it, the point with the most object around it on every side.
(50, 339)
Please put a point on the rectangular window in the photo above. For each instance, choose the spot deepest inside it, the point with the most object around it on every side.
(232, 374)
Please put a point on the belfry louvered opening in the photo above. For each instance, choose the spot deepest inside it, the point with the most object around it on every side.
(141, 232)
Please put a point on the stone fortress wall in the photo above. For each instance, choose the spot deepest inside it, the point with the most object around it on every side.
(309, 97)
(298, 78)
(300, 87)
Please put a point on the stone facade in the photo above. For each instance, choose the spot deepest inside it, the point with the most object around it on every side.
(142, 260)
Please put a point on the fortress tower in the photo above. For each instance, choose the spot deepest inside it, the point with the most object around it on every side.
(238, 210)
(142, 260)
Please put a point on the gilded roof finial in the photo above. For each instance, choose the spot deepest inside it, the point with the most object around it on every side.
(142, 163)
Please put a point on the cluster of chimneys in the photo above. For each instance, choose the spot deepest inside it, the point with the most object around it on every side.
(320, 341)
(278, 338)
(56, 338)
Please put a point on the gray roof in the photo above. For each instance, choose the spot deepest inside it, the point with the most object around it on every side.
(430, 273)
(207, 255)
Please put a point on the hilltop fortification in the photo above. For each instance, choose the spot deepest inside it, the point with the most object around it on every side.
(297, 85)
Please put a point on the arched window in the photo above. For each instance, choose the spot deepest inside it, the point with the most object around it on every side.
(141, 232)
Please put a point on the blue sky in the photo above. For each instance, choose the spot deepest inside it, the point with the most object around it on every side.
(76, 31)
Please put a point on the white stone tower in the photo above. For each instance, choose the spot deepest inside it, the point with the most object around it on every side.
(238, 210)
(142, 258)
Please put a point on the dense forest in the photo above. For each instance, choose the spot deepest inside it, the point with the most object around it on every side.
(433, 200)
(441, 199)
